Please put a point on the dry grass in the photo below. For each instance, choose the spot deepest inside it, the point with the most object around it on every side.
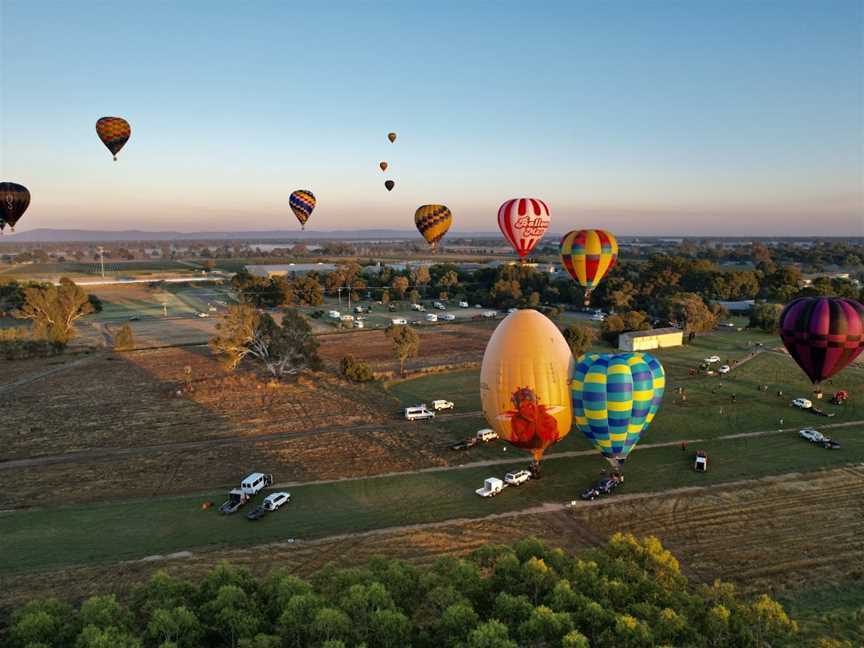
(753, 536)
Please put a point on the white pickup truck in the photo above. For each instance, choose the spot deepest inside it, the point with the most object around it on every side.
(439, 405)
(491, 487)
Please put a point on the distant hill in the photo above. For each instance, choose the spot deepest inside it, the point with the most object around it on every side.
(46, 235)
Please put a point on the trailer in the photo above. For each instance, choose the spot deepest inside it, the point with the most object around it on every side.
(491, 487)
(236, 499)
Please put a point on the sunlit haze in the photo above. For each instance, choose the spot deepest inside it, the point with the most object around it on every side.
(724, 118)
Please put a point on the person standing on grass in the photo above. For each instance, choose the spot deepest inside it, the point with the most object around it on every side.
(684, 446)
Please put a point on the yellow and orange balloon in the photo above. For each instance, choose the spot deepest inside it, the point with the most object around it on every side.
(588, 255)
(432, 222)
(524, 382)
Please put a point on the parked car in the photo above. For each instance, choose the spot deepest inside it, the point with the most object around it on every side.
(399, 321)
(463, 304)
(134, 318)
(590, 494)
(813, 436)
(517, 478)
(418, 307)
(418, 412)
(255, 482)
(431, 317)
(274, 500)
(489, 314)
(486, 435)
(439, 405)
(712, 359)
(478, 306)
(358, 324)
(447, 317)
(203, 315)
(464, 445)
(724, 369)
(512, 310)
(257, 513)
(439, 305)
(333, 314)
(830, 444)
(803, 403)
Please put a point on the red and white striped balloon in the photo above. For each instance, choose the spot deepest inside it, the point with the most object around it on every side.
(523, 221)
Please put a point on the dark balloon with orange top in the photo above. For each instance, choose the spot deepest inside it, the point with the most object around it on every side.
(114, 133)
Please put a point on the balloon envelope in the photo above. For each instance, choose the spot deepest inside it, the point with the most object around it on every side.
(523, 382)
(114, 133)
(389, 184)
(823, 335)
(14, 200)
(432, 222)
(523, 222)
(615, 398)
(391, 137)
(383, 166)
(302, 203)
(588, 255)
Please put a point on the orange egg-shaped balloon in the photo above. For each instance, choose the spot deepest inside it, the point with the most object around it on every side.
(524, 382)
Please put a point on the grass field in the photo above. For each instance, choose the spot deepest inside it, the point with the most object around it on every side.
(62, 536)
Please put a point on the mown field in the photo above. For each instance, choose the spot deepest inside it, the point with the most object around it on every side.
(61, 536)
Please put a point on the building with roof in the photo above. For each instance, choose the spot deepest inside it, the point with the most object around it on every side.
(652, 339)
(289, 269)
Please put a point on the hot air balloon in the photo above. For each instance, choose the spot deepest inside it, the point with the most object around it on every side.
(391, 137)
(432, 222)
(523, 221)
(302, 203)
(615, 398)
(822, 334)
(389, 184)
(114, 133)
(14, 200)
(523, 382)
(383, 165)
(588, 255)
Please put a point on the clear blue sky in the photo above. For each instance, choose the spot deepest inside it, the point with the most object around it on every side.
(645, 117)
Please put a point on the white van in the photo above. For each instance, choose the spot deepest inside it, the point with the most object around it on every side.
(431, 317)
(399, 321)
(418, 412)
(255, 482)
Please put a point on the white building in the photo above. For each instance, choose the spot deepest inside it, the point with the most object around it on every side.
(652, 339)
(289, 269)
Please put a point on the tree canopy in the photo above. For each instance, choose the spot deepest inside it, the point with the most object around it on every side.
(629, 593)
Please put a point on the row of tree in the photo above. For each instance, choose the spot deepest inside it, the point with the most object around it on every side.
(628, 594)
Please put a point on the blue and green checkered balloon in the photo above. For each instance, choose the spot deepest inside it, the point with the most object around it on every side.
(615, 398)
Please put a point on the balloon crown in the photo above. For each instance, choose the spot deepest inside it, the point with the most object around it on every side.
(523, 394)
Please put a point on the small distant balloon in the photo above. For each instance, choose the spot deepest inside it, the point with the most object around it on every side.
(432, 222)
(114, 133)
(391, 137)
(14, 200)
(302, 203)
(389, 184)
(383, 166)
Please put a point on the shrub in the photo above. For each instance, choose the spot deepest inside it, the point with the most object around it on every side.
(355, 370)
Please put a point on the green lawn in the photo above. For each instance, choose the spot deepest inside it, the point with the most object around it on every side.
(51, 538)
(832, 610)
(708, 411)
